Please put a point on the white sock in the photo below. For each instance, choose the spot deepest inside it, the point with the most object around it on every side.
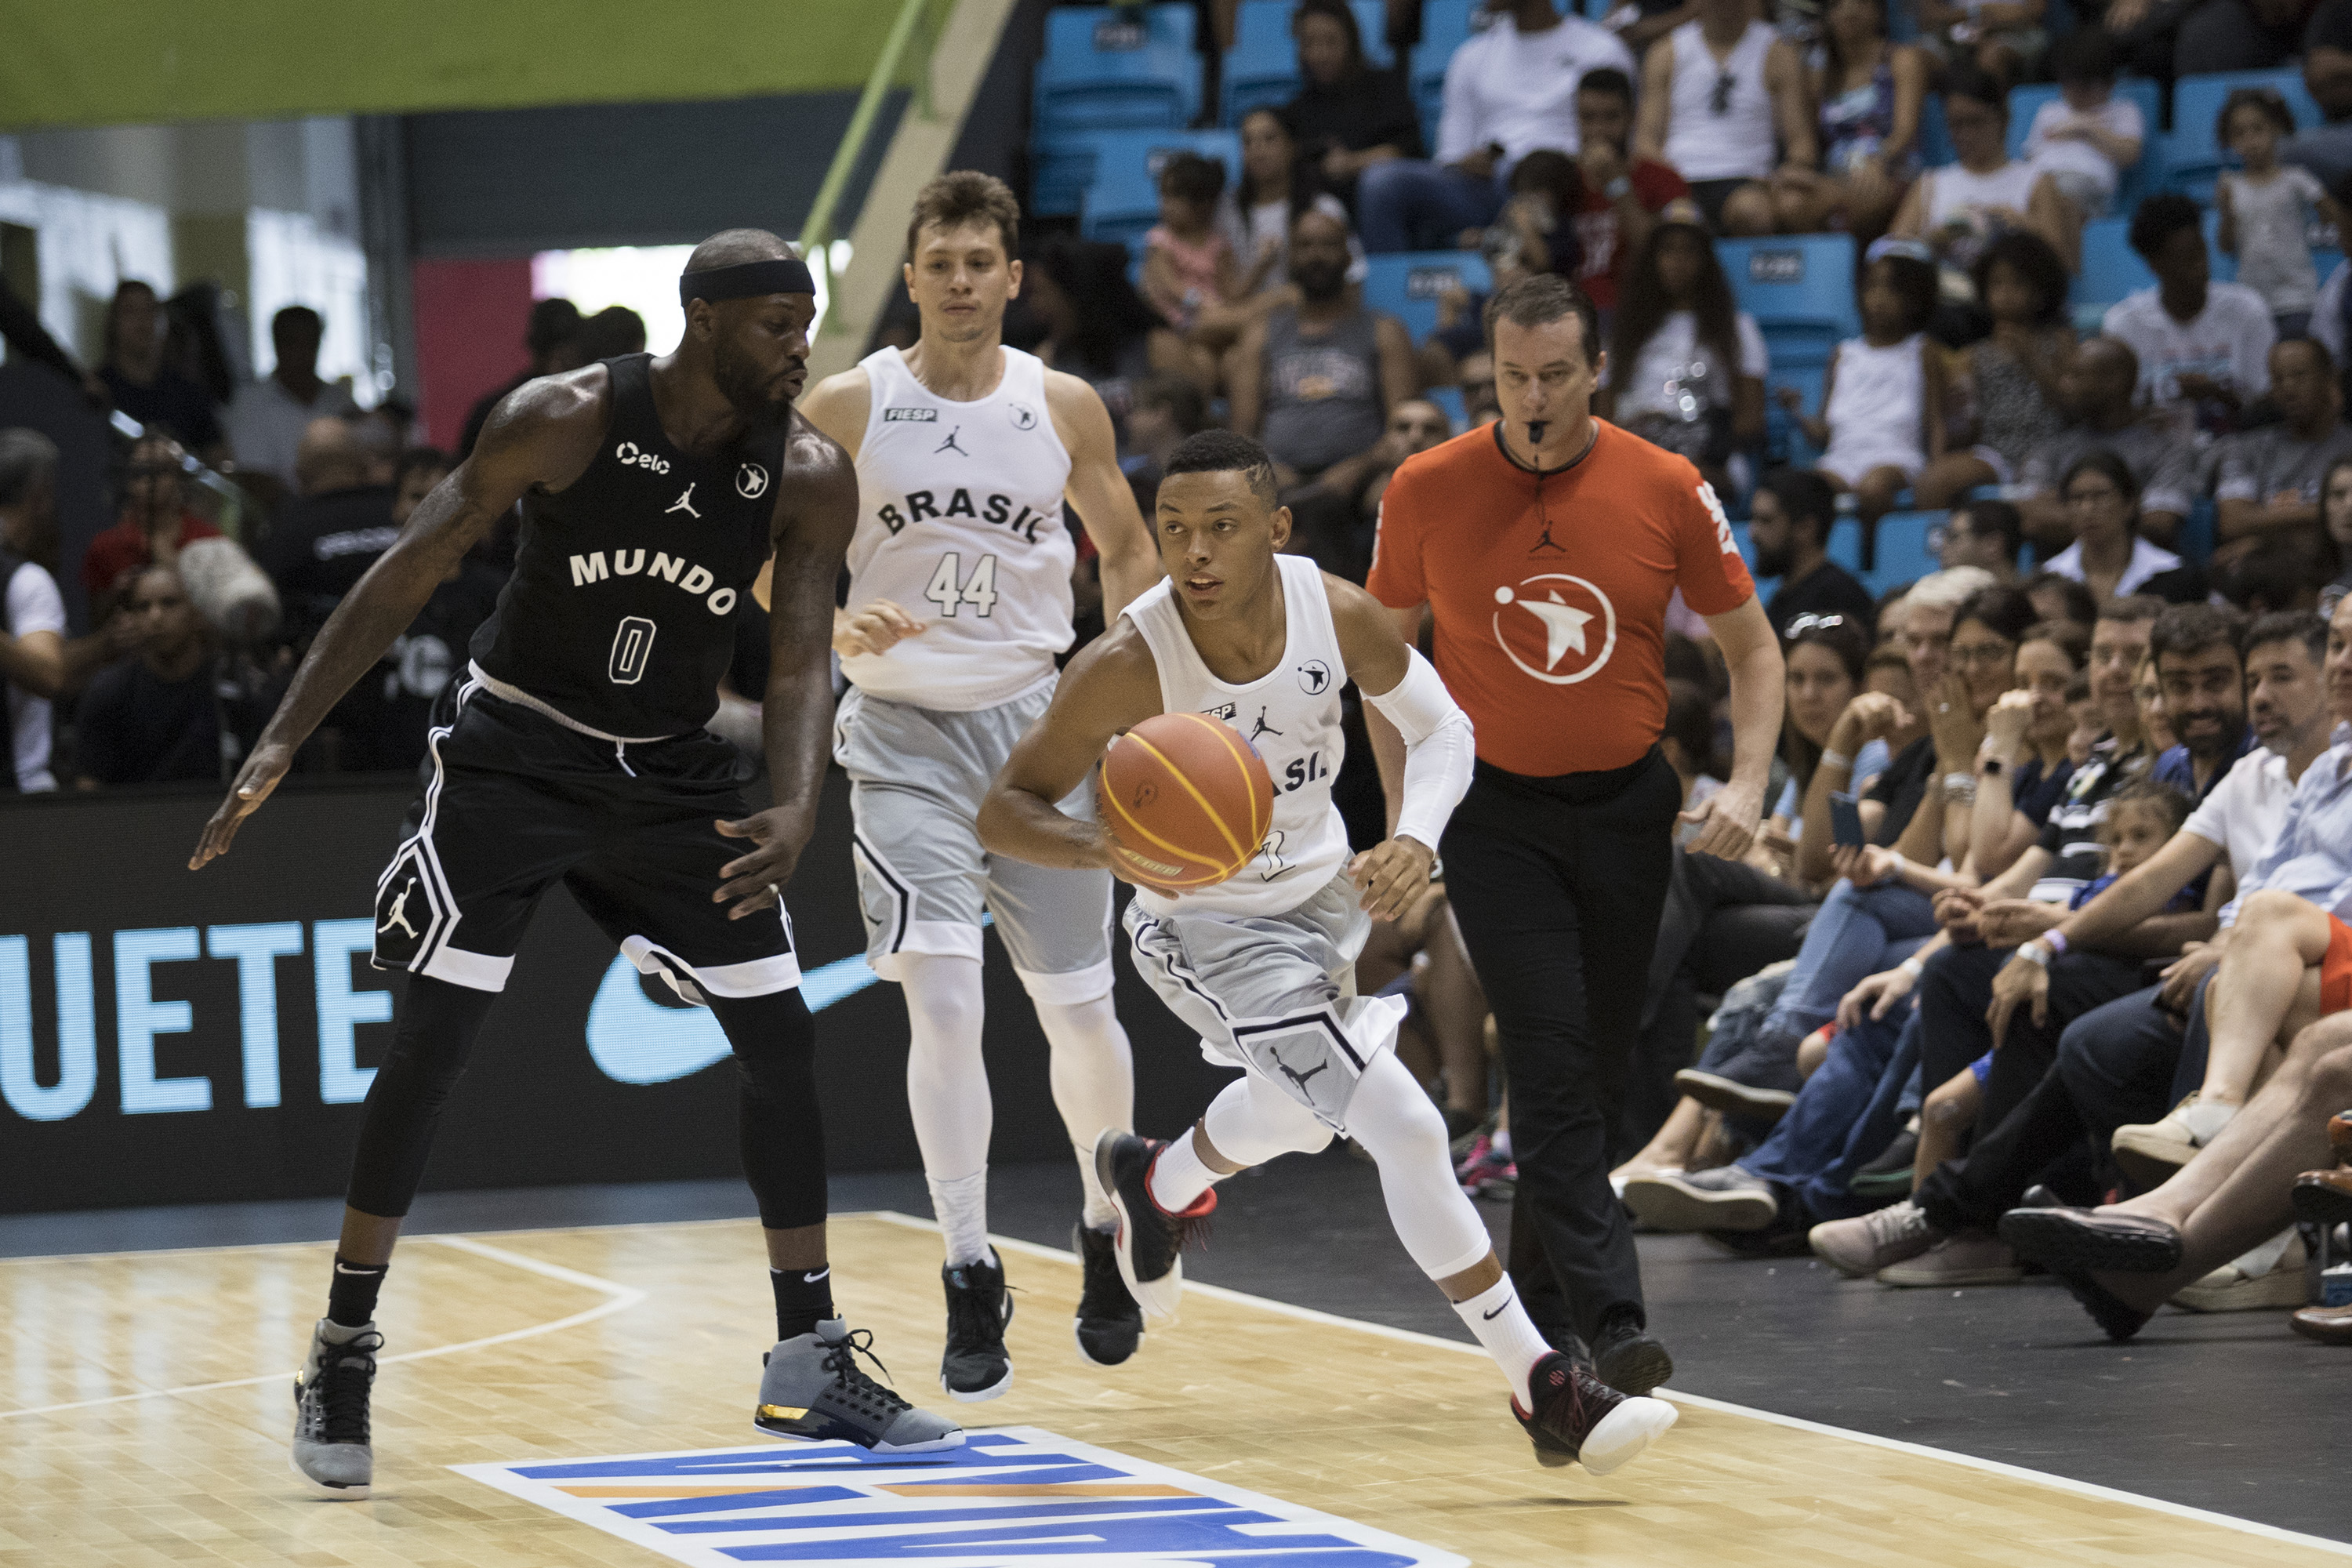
(2206, 1118)
(1509, 1335)
(2266, 1258)
(961, 1205)
(1179, 1178)
(1093, 1074)
(1501, 1141)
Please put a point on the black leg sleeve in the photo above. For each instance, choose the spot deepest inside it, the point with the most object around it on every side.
(432, 1037)
(783, 1129)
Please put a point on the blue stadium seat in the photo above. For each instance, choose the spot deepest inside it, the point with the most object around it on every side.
(2195, 541)
(2193, 156)
(1263, 65)
(1784, 439)
(1903, 549)
(1449, 398)
(1106, 69)
(1845, 543)
(1799, 288)
(2142, 177)
(1935, 137)
(1406, 283)
(1122, 198)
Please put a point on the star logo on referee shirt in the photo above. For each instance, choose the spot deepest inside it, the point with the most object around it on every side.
(1570, 615)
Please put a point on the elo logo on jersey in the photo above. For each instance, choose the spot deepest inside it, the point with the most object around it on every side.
(1015, 1494)
(592, 568)
(922, 504)
(910, 416)
(629, 455)
(751, 481)
(1559, 628)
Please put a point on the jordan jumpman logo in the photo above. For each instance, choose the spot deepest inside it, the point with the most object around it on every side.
(1295, 1076)
(1263, 727)
(684, 503)
(949, 444)
(400, 912)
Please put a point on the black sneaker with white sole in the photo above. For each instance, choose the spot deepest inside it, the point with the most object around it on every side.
(976, 1366)
(1150, 1241)
(331, 1450)
(1579, 1419)
(1110, 1323)
(1627, 1356)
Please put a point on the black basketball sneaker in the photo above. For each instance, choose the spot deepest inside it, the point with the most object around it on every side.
(1110, 1323)
(1579, 1419)
(1150, 1241)
(976, 1366)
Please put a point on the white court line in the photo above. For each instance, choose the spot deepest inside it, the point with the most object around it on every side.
(624, 1297)
(1700, 1402)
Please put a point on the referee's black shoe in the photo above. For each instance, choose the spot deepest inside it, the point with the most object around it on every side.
(976, 1366)
(1150, 1241)
(1110, 1323)
(1627, 1356)
(1579, 1419)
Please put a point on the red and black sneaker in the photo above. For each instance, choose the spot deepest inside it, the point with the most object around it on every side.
(1150, 1240)
(1579, 1419)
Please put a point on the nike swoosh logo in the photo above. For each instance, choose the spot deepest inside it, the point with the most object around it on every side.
(342, 1269)
(1490, 1317)
(820, 1274)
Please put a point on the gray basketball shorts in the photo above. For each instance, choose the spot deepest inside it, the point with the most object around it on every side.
(1274, 994)
(917, 779)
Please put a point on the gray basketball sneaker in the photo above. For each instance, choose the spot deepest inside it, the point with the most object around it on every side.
(814, 1389)
(330, 1413)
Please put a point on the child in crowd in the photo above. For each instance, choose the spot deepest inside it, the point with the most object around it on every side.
(2086, 137)
(2141, 818)
(1187, 263)
(2011, 387)
(2266, 208)
(1883, 397)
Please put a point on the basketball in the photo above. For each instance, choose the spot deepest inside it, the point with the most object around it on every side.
(1186, 801)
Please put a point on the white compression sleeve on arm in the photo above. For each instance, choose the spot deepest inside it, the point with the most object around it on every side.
(1438, 747)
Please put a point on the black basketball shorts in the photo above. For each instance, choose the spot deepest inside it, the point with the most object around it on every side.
(511, 802)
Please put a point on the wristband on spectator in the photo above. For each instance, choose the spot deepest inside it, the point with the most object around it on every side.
(1835, 759)
(2034, 952)
(1960, 788)
(1912, 967)
(2056, 940)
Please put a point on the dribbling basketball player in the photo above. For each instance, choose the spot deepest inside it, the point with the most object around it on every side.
(1262, 965)
(960, 601)
(652, 492)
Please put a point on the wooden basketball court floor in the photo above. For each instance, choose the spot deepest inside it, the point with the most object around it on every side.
(144, 1412)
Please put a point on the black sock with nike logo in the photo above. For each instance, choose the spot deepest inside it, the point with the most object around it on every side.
(350, 1299)
(803, 1298)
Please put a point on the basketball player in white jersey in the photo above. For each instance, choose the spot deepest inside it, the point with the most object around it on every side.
(958, 602)
(1263, 964)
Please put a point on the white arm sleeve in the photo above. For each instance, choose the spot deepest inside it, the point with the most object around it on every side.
(1438, 749)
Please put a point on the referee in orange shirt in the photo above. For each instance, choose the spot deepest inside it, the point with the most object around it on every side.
(1546, 547)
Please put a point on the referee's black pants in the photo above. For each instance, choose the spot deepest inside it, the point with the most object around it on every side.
(1557, 884)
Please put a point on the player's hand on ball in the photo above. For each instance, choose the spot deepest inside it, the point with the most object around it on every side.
(1392, 875)
(876, 627)
(755, 881)
(1726, 822)
(255, 781)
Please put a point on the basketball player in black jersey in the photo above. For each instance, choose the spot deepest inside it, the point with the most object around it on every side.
(652, 492)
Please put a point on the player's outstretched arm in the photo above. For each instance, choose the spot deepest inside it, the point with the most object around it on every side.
(816, 512)
(1438, 746)
(1098, 492)
(1110, 688)
(543, 434)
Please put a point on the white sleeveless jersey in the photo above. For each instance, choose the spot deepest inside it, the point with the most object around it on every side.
(1292, 716)
(960, 524)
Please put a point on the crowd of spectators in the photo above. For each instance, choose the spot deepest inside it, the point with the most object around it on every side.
(195, 627)
(2048, 911)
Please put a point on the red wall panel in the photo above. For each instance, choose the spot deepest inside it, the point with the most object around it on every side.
(470, 317)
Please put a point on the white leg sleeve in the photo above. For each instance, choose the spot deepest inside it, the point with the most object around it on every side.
(1094, 1086)
(1252, 1121)
(1399, 1126)
(947, 1092)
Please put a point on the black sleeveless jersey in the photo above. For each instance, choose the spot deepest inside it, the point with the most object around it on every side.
(621, 612)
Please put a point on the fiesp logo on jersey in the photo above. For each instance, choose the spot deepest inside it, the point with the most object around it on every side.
(910, 416)
(629, 455)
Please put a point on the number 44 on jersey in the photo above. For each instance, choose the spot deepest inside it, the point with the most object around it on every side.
(950, 588)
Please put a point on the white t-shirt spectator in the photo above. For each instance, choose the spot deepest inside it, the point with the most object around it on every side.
(1519, 89)
(34, 606)
(1670, 353)
(2066, 155)
(2244, 813)
(1737, 141)
(266, 424)
(2273, 252)
(2229, 340)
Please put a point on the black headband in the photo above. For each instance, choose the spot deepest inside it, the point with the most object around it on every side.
(746, 280)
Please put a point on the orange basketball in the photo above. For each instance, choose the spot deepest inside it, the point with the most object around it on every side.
(1186, 801)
